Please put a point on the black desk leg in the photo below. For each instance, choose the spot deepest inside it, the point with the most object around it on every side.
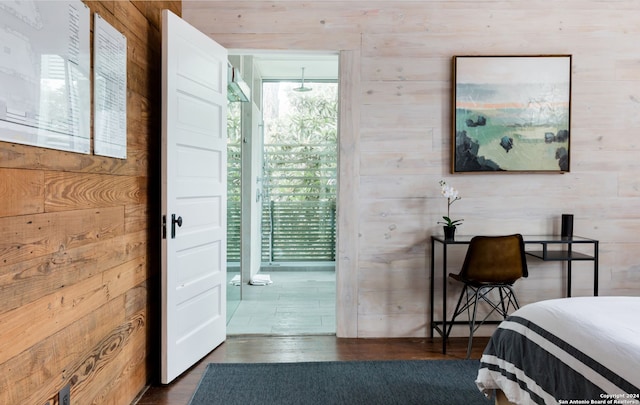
(570, 248)
(433, 263)
(595, 270)
(444, 298)
(569, 278)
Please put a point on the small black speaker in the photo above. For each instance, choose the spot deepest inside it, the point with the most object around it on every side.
(567, 226)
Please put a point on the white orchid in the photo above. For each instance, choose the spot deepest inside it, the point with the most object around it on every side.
(448, 191)
(451, 194)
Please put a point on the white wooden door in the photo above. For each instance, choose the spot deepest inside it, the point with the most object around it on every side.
(194, 162)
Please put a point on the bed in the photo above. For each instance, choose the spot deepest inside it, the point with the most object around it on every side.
(583, 350)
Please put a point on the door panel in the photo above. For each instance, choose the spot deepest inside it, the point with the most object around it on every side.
(193, 196)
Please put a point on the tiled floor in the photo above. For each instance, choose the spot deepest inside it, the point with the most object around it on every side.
(297, 303)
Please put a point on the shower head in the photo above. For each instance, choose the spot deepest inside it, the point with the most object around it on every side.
(302, 89)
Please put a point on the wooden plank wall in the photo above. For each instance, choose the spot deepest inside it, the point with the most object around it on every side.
(78, 246)
(397, 146)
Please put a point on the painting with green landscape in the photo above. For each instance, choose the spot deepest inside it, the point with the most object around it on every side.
(511, 113)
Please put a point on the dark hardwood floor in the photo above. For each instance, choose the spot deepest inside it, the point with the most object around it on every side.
(278, 349)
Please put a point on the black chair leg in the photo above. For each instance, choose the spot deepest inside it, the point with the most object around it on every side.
(515, 300)
(502, 298)
(457, 311)
(473, 321)
(478, 294)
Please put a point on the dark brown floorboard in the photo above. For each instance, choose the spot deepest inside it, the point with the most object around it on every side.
(278, 349)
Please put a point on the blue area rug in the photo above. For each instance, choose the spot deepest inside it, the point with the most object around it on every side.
(433, 382)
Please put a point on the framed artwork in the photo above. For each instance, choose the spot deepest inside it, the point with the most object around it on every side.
(511, 113)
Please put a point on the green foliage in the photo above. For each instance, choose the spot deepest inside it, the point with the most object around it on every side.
(234, 133)
(300, 142)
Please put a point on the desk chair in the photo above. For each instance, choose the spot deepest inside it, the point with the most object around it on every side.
(492, 262)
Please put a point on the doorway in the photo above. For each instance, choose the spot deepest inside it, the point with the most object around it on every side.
(286, 283)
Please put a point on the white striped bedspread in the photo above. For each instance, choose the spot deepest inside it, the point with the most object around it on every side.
(583, 350)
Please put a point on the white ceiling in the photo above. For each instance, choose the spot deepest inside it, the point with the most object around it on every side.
(319, 66)
(277, 64)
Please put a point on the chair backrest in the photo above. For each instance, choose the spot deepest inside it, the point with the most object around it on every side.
(498, 259)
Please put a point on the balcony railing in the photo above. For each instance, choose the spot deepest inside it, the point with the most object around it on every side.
(299, 210)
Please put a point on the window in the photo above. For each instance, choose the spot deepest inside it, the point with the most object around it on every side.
(300, 169)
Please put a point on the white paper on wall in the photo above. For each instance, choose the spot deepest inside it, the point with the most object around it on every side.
(109, 90)
(45, 93)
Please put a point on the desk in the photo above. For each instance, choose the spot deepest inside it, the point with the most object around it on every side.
(541, 243)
